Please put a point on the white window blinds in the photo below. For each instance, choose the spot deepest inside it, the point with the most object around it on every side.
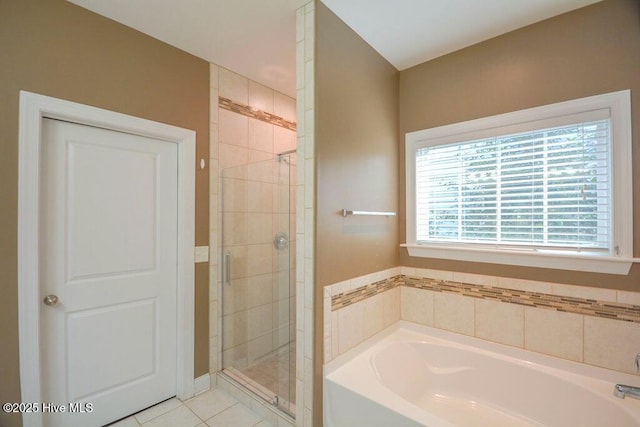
(548, 188)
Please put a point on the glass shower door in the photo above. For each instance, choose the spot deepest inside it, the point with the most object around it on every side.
(258, 292)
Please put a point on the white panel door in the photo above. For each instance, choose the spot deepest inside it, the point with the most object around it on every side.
(108, 253)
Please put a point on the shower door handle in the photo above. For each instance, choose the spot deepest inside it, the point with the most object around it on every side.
(226, 279)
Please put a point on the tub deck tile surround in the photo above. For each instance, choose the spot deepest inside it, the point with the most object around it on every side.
(599, 327)
(588, 325)
(585, 306)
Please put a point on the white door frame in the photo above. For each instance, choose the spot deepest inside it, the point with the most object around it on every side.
(33, 108)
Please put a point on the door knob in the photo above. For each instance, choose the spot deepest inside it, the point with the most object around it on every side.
(51, 300)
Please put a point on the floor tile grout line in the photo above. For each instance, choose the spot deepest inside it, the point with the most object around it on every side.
(192, 411)
(219, 413)
(236, 402)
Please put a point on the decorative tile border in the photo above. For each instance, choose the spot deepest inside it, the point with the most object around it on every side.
(248, 111)
(588, 307)
(345, 299)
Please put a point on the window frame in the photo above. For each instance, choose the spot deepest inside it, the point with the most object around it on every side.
(619, 257)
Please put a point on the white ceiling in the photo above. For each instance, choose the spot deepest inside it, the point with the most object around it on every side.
(410, 32)
(256, 38)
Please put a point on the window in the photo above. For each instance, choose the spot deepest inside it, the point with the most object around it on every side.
(548, 187)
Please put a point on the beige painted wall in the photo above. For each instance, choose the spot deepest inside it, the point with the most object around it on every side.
(55, 48)
(356, 164)
(586, 52)
(356, 153)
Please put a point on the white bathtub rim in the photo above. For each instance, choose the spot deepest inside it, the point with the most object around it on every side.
(596, 379)
(502, 351)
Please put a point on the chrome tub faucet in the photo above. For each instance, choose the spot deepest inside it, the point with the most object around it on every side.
(622, 391)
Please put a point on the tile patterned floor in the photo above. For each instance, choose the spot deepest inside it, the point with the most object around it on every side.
(213, 408)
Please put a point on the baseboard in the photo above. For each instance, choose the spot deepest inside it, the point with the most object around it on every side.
(201, 384)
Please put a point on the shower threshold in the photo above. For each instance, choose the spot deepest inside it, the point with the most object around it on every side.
(262, 392)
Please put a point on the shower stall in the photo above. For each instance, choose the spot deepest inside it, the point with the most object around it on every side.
(258, 278)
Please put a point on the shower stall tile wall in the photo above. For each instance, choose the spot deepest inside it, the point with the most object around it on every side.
(252, 208)
(554, 319)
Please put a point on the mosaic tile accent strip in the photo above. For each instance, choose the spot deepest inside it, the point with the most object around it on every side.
(344, 299)
(588, 307)
(248, 111)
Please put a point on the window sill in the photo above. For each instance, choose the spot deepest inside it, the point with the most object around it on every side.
(559, 261)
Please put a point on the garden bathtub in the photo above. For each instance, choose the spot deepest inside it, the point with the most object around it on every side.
(411, 375)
